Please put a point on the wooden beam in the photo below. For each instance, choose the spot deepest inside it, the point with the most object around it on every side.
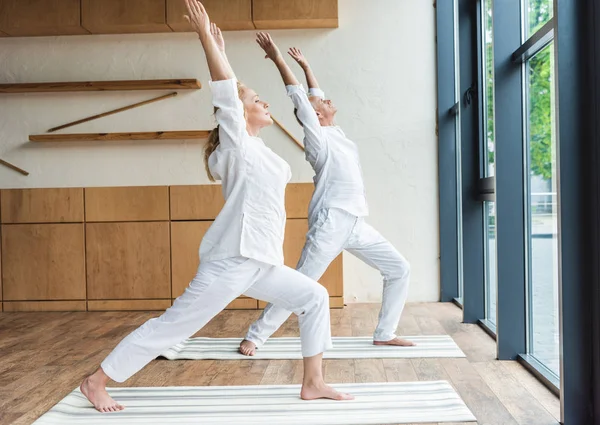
(144, 135)
(290, 135)
(170, 84)
(114, 111)
(14, 167)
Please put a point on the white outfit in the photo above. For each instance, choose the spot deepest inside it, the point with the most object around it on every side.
(241, 253)
(336, 223)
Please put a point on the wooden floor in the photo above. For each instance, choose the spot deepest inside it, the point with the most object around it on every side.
(43, 356)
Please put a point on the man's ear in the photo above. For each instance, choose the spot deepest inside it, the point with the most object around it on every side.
(319, 114)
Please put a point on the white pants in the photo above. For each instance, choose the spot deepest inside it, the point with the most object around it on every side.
(215, 285)
(334, 230)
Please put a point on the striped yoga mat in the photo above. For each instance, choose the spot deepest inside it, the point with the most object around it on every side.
(389, 403)
(289, 348)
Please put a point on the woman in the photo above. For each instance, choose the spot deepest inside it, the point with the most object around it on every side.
(242, 252)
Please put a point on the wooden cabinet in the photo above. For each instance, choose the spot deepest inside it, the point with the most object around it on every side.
(128, 261)
(62, 205)
(277, 14)
(40, 17)
(43, 262)
(117, 248)
(150, 203)
(229, 15)
(196, 202)
(121, 17)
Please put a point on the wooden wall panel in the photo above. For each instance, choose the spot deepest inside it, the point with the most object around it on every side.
(295, 236)
(204, 202)
(277, 14)
(127, 203)
(229, 15)
(43, 262)
(197, 202)
(41, 205)
(128, 261)
(128, 305)
(185, 242)
(40, 17)
(120, 17)
(44, 306)
(297, 199)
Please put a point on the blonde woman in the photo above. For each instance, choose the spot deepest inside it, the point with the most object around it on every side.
(242, 251)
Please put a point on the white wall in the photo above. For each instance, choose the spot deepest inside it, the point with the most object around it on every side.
(378, 67)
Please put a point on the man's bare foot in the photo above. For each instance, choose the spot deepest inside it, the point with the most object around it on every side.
(247, 348)
(396, 341)
(322, 390)
(95, 391)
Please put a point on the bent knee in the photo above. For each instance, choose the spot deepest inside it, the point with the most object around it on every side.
(400, 271)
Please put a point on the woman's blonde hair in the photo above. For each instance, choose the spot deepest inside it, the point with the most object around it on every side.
(213, 138)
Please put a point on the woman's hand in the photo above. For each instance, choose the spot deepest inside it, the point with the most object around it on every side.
(216, 33)
(298, 57)
(198, 17)
(265, 41)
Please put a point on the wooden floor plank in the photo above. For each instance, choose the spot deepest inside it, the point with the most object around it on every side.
(517, 400)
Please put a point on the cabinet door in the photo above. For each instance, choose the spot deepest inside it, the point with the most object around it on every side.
(276, 14)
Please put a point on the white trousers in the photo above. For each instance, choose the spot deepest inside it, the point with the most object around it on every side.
(334, 230)
(215, 285)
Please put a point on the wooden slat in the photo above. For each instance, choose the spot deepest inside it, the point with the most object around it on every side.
(120, 85)
(42, 205)
(185, 241)
(128, 261)
(243, 304)
(128, 305)
(297, 199)
(14, 167)
(275, 14)
(197, 202)
(144, 203)
(124, 17)
(295, 237)
(143, 135)
(229, 15)
(43, 262)
(44, 306)
(38, 18)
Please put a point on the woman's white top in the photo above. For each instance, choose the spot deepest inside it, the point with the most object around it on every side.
(338, 174)
(252, 221)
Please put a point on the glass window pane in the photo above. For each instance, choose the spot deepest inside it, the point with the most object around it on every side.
(543, 209)
(537, 13)
(458, 139)
(488, 72)
(491, 290)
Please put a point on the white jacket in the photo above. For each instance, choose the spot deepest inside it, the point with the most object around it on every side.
(252, 221)
(338, 174)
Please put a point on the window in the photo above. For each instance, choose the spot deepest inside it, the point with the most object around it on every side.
(542, 235)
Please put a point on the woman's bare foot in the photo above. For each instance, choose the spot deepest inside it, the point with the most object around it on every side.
(247, 348)
(94, 388)
(396, 341)
(321, 390)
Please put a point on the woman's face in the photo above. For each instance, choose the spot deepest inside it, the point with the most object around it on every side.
(256, 111)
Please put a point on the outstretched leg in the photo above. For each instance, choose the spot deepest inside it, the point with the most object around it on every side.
(367, 244)
(215, 285)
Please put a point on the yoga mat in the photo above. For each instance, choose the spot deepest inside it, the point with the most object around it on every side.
(377, 403)
(428, 346)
